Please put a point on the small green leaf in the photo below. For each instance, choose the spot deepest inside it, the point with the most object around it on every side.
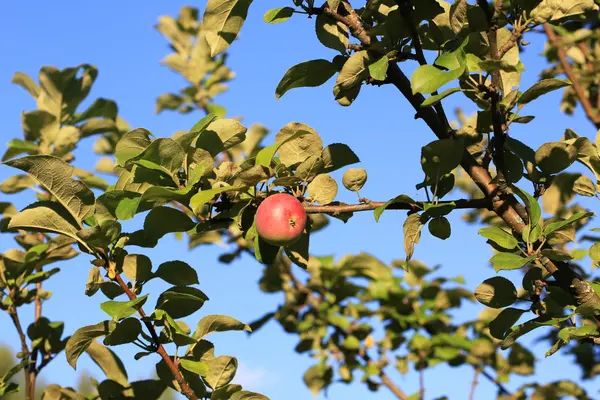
(336, 156)
(412, 233)
(137, 267)
(307, 74)
(500, 325)
(197, 367)
(508, 261)
(122, 309)
(433, 100)
(378, 69)
(440, 228)
(82, 338)
(496, 292)
(533, 207)
(354, 179)
(222, 22)
(331, 33)
(555, 226)
(440, 157)
(499, 236)
(318, 377)
(221, 371)
(124, 332)
(177, 273)
(542, 87)
(555, 157)
(218, 323)
(181, 301)
(428, 78)
(278, 15)
(323, 189)
(204, 196)
(398, 199)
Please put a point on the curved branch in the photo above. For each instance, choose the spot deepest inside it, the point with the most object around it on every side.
(485, 203)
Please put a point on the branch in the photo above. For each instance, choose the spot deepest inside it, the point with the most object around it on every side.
(495, 381)
(14, 316)
(485, 203)
(592, 115)
(387, 382)
(474, 383)
(185, 387)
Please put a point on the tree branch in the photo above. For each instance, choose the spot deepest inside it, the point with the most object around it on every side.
(387, 382)
(14, 316)
(185, 387)
(474, 383)
(589, 110)
(485, 203)
(495, 381)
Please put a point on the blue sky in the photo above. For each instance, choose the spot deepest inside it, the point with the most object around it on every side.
(118, 37)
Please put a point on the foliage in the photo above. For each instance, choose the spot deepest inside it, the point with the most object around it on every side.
(356, 316)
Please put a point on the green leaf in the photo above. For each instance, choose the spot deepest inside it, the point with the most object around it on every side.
(177, 273)
(428, 78)
(23, 80)
(220, 135)
(55, 176)
(508, 261)
(496, 292)
(295, 148)
(307, 74)
(533, 208)
(500, 325)
(318, 377)
(119, 310)
(298, 252)
(584, 186)
(440, 228)
(440, 157)
(412, 234)
(181, 301)
(110, 364)
(163, 220)
(336, 156)
(265, 156)
(117, 204)
(197, 367)
(594, 253)
(398, 199)
(137, 267)
(82, 338)
(354, 71)
(221, 371)
(131, 145)
(46, 216)
(165, 155)
(432, 100)
(246, 395)
(124, 332)
(378, 69)
(17, 146)
(278, 15)
(541, 88)
(264, 252)
(101, 235)
(222, 21)
(218, 323)
(555, 157)
(323, 189)
(226, 392)
(331, 33)
(499, 236)
(354, 179)
(555, 226)
(16, 183)
(526, 327)
(204, 196)
(187, 139)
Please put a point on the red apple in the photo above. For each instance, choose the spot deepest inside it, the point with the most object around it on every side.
(280, 219)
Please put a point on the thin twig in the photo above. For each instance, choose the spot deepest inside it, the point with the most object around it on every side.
(495, 381)
(589, 110)
(14, 316)
(485, 203)
(476, 373)
(387, 382)
(185, 387)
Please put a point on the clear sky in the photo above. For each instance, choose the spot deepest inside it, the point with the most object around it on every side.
(118, 37)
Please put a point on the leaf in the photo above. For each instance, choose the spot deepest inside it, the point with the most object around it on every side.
(555, 226)
(541, 88)
(331, 33)
(526, 327)
(500, 325)
(82, 338)
(432, 100)
(307, 74)
(55, 176)
(23, 80)
(218, 323)
(499, 236)
(584, 186)
(336, 156)
(196, 367)
(177, 273)
(265, 156)
(398, 199)
(594, 253)
(132, 144)
(163, 220)
(354, 71)
(221, 134)
(278, 15)
(412, 233)
(309, 168)
(555, 157)
(496, 292)
(246, 395)
(137, 267)
(122, 309)
(109, 362)
(440, 157)
(221, 371)
(264, 252)
(533, 208)
(354, 179)
(17, 146)
(440, 228)
(222, 21)
(204, 196)
(298, 252)
(187, 139)
(165, 155)
(181, 301)
(428, 78)
(548, 10)
(117, 204)
(124, 332)
(508, 261)
(46, 216)
(378, 69)
(226, 392)
(296, 148)
(323, 189)
(318, 377)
